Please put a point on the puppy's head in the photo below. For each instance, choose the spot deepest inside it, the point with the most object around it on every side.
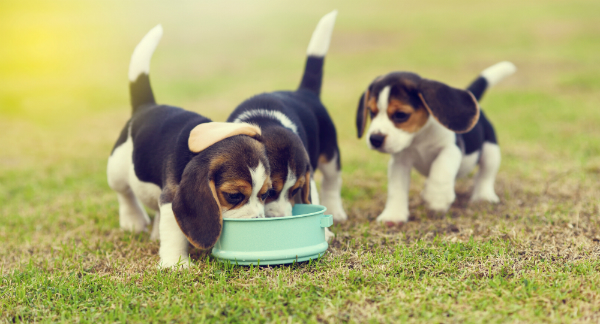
(400, 104)
(290, 171)
(229, 177)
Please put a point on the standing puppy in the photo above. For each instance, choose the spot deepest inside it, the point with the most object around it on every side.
(459, 136)
(191, 171)
(299, 136)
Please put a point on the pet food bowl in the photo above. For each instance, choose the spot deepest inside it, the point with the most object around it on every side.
(278, 240)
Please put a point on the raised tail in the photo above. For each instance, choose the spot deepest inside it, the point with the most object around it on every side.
(490, 77)
(139, 69)
(317, 49)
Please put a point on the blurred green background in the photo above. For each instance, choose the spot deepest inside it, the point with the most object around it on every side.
(64, 99)
(64, 87)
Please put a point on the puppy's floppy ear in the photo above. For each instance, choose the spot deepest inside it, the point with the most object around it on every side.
(196, 206)
(207, 134)
(362, 114)
(306, 189)
(456, 109)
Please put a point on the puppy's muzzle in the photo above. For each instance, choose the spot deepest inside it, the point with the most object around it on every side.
(377, 140)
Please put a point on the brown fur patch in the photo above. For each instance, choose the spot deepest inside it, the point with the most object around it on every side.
(232, 187)
(372, 104)
(418, 117)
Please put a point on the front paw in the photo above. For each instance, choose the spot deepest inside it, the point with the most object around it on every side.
(390, 216)
(335, 208)
(329, 236)
(438, 198)
(179, 263)
(484, 195)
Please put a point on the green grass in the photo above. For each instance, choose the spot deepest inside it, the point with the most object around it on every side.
(535, 257)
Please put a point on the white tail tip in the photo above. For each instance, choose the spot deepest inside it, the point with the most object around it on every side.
(321, 37)
(140, 59)
(498, 71)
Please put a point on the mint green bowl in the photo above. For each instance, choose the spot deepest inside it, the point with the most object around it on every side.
(278, 240)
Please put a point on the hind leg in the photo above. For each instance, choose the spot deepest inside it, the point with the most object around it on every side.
(132, 217)
(331, 189)
(489, 164)
(155, 234)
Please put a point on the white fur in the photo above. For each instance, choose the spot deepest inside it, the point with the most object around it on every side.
(140, 59)
(321, 37)
(155, 234)
(282, 206)
(488, 168)
(132, 216)
(467, 164)
(384, 99)
(396, 207)
(254, 208)
(273, 114)
(314, 194)
(173, 243)
(497, 72)
(431, 151)
(331, 190)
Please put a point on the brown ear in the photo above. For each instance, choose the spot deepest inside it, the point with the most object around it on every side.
(196, 206)
(456, 109)
(362, 114)
(207, 134)
(306, 189)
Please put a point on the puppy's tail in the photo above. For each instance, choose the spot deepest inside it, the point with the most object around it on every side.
(317, 49)
(490, 77)
(139, 69)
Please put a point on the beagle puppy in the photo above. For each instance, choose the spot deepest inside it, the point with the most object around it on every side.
(191, 171)
(438, 130)
(299, 136)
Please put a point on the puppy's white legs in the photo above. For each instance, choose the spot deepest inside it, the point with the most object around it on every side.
(155, 234)
(439, 187)
(486, 176)
(132, 216)
(329, 235)
(173, 243)
(331, 189)
(314, 194)
(396, 207)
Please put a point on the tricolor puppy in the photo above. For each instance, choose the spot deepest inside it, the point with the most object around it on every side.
(299, 136)
(191, 171)
(438, 130)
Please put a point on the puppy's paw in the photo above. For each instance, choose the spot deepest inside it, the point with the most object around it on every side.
(393, 217)
(335, 208)
(177, 264)
(135, 225)
(329, 236)
(484, 195)
(438, 198)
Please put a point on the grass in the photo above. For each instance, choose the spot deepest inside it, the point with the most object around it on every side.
(535, 257)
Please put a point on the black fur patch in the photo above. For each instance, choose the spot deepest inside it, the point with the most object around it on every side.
(478, 87)
(313, 74)
(140, 92)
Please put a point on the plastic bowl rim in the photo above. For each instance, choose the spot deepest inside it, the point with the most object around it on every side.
(321, 211)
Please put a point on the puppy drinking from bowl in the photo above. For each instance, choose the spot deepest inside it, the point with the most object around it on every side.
(193, 172)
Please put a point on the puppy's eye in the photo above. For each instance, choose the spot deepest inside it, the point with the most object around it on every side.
(234, 198)
(265, 195)
(294, 192)
(399, 117)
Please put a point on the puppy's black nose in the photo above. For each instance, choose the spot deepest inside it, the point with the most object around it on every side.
(377, 140)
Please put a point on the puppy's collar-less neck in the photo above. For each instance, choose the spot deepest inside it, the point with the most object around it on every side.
(271, 114)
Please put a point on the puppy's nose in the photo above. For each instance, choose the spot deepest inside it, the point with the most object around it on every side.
(376, 140)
